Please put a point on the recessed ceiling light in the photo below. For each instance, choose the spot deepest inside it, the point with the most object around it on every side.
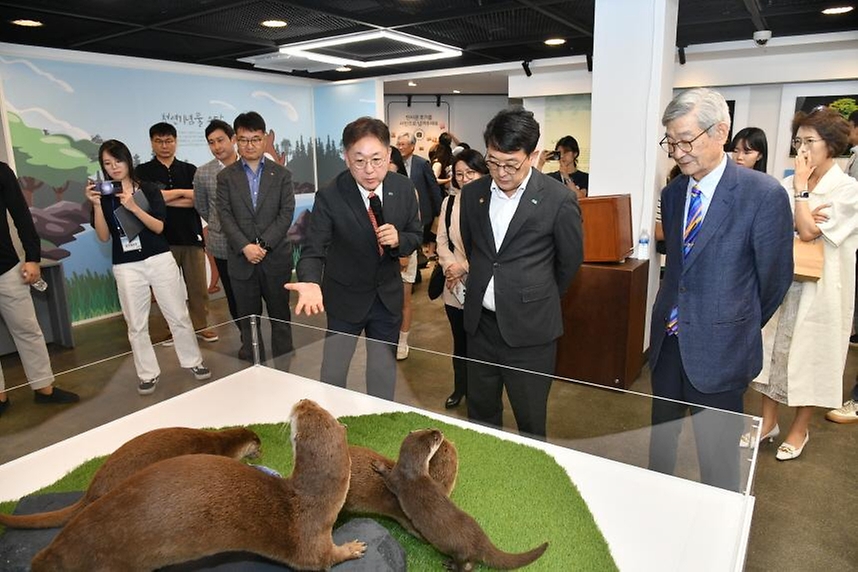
(456, 91)
(555, 42)
(412, 84)
(837, 10)
(344, 69)
(432, 50)
(27, 23)
(274, 24)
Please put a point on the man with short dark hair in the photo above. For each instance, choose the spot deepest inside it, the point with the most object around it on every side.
(523, 237)
(16, 304)
(182, 227)
(256, 201)
(362, 223)
(221, 139)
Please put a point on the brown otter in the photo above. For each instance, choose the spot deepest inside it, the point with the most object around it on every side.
(140, 452)
(439, 521)
(193, 506)
(368, 493)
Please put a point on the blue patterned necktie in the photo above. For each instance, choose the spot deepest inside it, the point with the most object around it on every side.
(692, 226)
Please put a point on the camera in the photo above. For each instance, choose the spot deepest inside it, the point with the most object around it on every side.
(107, 188)
(553, 156)
(762, 37)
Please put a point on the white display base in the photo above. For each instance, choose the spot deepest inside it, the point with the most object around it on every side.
(651, 521)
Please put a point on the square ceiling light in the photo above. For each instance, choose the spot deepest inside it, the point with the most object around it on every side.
(371, 49)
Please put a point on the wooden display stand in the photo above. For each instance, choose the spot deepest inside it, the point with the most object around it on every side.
(604, 312)
(607, 222)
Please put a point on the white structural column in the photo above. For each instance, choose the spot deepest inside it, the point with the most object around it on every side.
(634, 51)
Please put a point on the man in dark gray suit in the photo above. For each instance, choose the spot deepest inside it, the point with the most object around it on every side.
(420, 172)
(256, 201)
(361, 224)
(522, 234)
(728, 233)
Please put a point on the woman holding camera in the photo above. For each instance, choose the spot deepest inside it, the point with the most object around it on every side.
(806, 341)
(566, 153)
(142, 260)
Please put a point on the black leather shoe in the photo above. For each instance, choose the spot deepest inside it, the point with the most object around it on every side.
(453, 400)
(58, 396)
(4, 405)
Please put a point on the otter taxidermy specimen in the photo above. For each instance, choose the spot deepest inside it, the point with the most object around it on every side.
(189, 507)
(436, 518)
(369, 494)
(139, 453)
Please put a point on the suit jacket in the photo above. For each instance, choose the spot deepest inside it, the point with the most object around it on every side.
(540, 255)
(427, 188)
(269, 221)
(341, 250)
(733, 280)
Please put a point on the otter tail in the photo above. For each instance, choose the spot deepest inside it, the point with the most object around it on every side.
(50, 519)
(508, 561)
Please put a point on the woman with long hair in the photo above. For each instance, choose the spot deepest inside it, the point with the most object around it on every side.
(566, 152)
(131, 213)
(751, 149)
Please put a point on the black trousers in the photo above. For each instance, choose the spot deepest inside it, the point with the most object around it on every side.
(223, 270)
(249, 294)
(379, 324)
(456, 317)
(716, 433)
(526, 377)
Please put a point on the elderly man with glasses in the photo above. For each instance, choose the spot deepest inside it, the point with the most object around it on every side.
(256, 201)
(522, 235)
(362, 223)
(728, 234)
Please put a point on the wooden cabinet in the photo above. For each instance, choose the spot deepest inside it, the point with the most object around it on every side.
(604, 312)
(607, 223)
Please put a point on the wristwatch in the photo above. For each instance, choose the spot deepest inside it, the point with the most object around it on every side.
(802, 194)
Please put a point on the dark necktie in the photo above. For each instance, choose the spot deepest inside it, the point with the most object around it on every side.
(369, 211)
(692, 226)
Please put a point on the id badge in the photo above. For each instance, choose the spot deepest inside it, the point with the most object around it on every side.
(131, 245)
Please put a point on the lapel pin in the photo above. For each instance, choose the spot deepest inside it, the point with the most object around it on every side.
(482, 200)
(534, 201)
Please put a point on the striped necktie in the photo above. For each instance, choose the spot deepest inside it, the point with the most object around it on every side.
(692, 226)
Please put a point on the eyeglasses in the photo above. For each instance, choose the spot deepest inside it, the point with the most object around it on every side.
(508, 169)
(685, 146)
(375, 163)
(244, 142)
(165, 141)
(467, 175)
(798, 142)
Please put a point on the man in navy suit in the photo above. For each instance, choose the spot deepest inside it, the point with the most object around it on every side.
(728, 233)
(349, 264)
(420, 172)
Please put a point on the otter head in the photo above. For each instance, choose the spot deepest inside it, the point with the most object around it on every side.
(308, 418)
(417, 449)
(252, 448)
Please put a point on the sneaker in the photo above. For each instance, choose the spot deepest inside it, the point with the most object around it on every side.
(57, 396)
(147, 386)
(846, 414)
(201, 372)
(402, 351)
(208, 336)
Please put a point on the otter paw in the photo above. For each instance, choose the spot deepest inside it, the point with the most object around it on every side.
(356, 548)
(380, 468)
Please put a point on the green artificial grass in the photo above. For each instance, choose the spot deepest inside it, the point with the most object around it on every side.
(519, 495)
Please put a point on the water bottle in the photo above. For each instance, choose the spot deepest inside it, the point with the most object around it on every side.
(40, 285)
(643, 245)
